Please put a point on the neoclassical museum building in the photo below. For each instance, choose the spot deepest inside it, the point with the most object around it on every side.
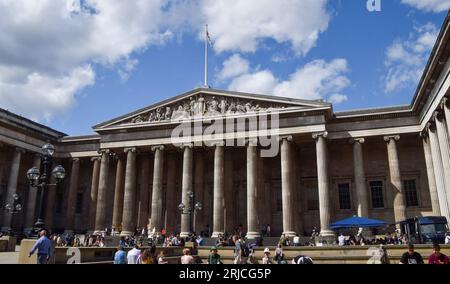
(387, 163)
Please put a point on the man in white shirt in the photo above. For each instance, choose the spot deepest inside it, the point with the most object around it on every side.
(133, 255)
(341, 240)
(296, 241)
(447, 238)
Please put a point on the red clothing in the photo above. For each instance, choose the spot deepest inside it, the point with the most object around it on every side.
(434, 259)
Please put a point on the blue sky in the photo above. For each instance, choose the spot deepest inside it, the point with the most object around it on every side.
(97, 71)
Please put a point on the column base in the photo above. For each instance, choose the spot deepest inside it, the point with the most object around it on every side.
(99, 233)
(252, 235)
(290, 234)
(185, 234)
(327, 233)
(216, 234)
(126, 234)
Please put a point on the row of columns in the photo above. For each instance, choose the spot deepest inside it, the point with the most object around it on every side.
(436, 143)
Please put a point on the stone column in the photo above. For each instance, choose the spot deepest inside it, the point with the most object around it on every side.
(287, 186)
(12, 186)
(446, 107)
(171, 201)
(438, 170)
(129, 199)
(118, 195)
(94, 191)
(219, 187)
(431, 177)
(444, 146)
(323, 183)
(252, 184)
(72, 196)
(186, 187)
(32, 200)
(100, 217)
(50, 200)
(144, 191)
(199, 188)
(395, 178)
(229, 220)
(157, 194)
(360, 178)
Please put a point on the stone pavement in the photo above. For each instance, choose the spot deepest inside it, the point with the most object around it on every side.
(10, 257)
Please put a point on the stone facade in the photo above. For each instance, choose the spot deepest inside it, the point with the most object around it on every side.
(387, 163)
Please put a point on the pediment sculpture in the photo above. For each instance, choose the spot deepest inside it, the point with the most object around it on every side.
(204, 106)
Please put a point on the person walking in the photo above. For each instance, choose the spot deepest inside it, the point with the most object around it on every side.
(120, 257)
(43, 246)
(133, 254)
(437, 257)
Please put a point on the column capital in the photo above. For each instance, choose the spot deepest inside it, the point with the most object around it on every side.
(438, 114)
(218, 144)
(159, 147)
(20, 150)
(251, 142)
(104, 151)
(288, 138)
(97, 158)
(388, 138)
(187, 145)
(357, 140)
(130, 149)
(323, 134)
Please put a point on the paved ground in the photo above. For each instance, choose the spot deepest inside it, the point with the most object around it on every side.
(10, 257)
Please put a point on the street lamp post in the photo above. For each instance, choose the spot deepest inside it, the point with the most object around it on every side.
(13, 209)
(41, 181)
(191, 210)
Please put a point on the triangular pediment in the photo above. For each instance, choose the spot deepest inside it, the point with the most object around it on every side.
(210, 104)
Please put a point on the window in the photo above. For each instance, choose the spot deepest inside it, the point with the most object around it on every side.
(376, 189)
(313, 199)
(410, 193)
(344, 196)
(79, 203)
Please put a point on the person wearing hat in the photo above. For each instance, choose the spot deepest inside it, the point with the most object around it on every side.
(266, 258)
(43, 246)
(214, 257)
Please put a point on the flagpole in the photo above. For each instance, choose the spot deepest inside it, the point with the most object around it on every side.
(206, 56)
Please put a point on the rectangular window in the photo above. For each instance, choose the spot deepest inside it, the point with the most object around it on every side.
(411, 193)
(79, 203)
(344, 196)
(313, 199)
(376, 189)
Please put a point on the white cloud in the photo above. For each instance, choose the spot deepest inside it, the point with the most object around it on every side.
(406, 59)
(316, 80)
(47, 46)
(242, 26)
(41, 96)
(429, 5)
(232, 67)
(52, 40)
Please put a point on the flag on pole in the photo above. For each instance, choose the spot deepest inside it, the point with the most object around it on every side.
(208, 37)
